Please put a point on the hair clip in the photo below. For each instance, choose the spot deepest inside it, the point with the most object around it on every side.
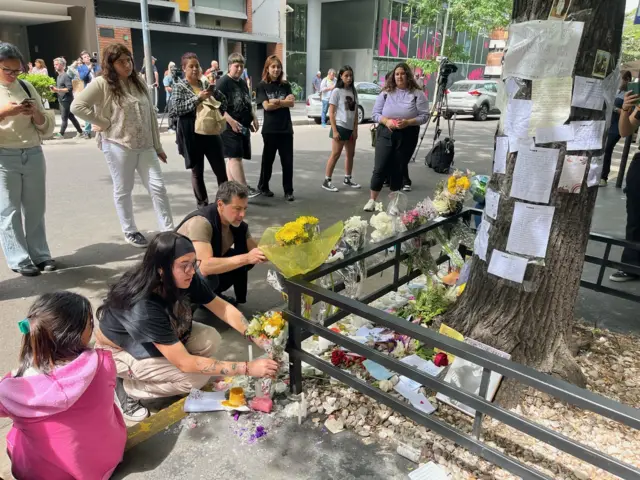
(23, 325)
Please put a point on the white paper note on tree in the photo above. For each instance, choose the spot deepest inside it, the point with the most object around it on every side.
(588, 93)
(481, 242)
(587, 135)
(516, 122)
(595, 171)
(572, 174)
(556, 133)
(492, 200)
(509, 267)
(500, 158)
(530, 229)
(542, 48)
(533, 174)
(551, 99)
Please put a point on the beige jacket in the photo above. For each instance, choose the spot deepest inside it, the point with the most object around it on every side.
(19, 131)
(95, 105)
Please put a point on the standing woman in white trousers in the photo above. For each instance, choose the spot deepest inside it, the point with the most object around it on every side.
(119, 107)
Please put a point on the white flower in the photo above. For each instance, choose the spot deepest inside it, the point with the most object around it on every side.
(270, 330)
(378, 207)
(383, 225)
(355, 223)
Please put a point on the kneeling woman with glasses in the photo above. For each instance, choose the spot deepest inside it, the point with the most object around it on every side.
(146, 321)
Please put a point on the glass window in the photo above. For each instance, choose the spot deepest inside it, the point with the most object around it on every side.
(461, 87)
(297, 29)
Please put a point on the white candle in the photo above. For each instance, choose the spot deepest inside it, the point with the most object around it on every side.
(251, 353)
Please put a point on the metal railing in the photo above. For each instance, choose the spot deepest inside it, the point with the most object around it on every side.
(300, 328)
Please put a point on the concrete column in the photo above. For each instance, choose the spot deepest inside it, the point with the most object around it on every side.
(223, 54)
(314, 22)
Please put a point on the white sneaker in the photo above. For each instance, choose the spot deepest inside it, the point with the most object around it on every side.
(370, 206)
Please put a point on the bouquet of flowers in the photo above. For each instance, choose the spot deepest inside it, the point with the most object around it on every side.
(450, 195)
(270, 329)
(383, 225)
(299, 246)
(418, 248)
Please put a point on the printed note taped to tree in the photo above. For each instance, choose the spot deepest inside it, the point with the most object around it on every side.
(542, 48)
(530, 229)
(509, 267)
(572, 174)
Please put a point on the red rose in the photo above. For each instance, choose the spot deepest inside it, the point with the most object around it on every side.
(441, 359)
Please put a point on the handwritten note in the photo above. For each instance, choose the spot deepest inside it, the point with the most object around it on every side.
(500, 158)
(595, 172)
(530, 229)
(426, 366)
(558, 133)
(551, 102)
(542, 48)
(516, 123)
(533, 174)
(509, 267)
(481, 242)
(588, 93)
(492, 200)
(572, 174)
(587, 135)
(429, 471)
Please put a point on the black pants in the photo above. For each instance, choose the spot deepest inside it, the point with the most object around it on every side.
(238, 279)
(632, 190)
(282, 143)
(393, 153)
(612, 140)
(209, 146)
(65, 113)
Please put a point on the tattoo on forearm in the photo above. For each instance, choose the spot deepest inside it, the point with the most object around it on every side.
(216, 367)
(224, 371)
(244, 321)
(233, 366)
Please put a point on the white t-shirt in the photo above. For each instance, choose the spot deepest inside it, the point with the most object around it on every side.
(326, 83)
(343, 100)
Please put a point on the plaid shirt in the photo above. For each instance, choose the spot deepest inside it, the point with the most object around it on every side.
(184, 100)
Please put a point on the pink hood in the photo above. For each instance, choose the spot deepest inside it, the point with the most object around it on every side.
(40, 396)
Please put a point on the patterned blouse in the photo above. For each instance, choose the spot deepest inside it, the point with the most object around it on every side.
(130, 120)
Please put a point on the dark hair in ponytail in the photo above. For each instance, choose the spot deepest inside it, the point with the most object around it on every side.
(57, 322)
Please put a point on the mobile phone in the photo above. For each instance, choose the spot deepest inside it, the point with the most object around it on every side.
(635, 89)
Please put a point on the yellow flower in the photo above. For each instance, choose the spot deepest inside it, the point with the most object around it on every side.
(451, 183)
(307, 220)
(463, 183)
(290, 233)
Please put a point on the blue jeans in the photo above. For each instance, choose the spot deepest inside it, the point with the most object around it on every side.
(325, 109)
(23, 192)
(87, 127)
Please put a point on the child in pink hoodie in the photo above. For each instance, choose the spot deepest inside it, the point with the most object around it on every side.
(61, 398)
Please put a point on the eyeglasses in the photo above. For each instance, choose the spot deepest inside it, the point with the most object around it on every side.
(9, 71)
(190, 266)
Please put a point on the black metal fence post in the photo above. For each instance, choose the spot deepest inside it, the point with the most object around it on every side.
(294, 342)
(623, 161)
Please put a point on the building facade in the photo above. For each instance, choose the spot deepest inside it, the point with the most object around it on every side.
(211, 28)
(371, 36)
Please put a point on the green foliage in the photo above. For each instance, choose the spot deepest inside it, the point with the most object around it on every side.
(424, 352)
(472, 16)
(455, 52)
(427, 305)
(630, 40)
(41, 83)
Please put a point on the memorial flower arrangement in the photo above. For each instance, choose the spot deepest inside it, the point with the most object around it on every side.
(383, 225)
(300, 231)
(450, 195)
(270, 329)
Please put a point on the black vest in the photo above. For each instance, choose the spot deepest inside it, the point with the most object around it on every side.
(210, 212)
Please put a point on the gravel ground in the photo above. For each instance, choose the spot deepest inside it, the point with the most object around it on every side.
(611, 363)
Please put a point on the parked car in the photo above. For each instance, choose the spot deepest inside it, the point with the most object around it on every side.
(367, 94)
(472, 97)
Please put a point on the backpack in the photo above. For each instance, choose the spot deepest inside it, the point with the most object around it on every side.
(209, 120)
(440, 158)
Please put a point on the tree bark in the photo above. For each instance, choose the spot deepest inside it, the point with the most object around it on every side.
(534, 321)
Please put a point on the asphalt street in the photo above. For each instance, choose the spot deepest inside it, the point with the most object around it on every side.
(85, 237)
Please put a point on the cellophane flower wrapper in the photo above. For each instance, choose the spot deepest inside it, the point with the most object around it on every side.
(299, 259)
(419, 248)
(449, 246)
(271, 328)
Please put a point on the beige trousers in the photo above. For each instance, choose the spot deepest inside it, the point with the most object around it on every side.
(157, 377)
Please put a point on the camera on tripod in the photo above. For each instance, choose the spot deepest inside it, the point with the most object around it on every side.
(446, 68)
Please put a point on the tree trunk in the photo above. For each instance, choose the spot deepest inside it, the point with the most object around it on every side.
(534, 321)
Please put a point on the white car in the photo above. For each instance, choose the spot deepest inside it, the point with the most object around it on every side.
(367, 94)
(472, 97)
